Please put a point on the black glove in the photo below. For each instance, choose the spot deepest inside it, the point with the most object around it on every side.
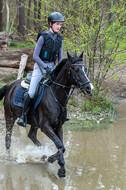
(48, 72)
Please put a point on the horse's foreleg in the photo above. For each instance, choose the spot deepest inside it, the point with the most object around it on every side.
(32, 135)
(61, 162)
(59, 156)
(59, 133)
(54, 157)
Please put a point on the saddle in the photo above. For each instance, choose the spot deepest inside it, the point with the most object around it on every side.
(23, 90)
(26, 83)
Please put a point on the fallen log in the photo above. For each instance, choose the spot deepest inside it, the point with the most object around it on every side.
(8, 71)
(11, 59)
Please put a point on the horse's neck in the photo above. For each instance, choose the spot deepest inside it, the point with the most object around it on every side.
(61, 89)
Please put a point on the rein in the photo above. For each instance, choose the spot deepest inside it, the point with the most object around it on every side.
(58, 84)
(67, 95)
(68, 87)
(72, 64)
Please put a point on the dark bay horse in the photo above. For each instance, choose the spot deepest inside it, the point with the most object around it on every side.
(52, 109)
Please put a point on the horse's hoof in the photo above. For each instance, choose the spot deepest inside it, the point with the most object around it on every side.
(61, 173)
(44, 158)
(7, 154)
(38, 143)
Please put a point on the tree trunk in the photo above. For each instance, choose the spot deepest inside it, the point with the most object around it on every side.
(11, 59)
(46, 13)
(39, 14)
(7, 24)
(35, 15)
(110, 15)
(28, 14)
(1, 15)
(21, 28)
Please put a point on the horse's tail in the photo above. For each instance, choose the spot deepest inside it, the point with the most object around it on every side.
(3, 91)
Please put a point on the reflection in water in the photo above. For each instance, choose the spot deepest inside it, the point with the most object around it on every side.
(94, 160)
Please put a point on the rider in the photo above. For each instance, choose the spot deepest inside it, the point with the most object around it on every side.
(48, 49)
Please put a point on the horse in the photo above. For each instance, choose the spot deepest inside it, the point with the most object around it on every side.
(51, 112)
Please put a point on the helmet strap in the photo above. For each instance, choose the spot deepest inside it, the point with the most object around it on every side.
(52, 28)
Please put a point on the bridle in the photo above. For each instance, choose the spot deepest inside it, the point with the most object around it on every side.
(79, 85)
(73, 75)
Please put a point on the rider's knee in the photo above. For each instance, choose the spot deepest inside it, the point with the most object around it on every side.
(31, 94)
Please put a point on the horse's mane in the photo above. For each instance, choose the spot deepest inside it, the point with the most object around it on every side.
(58, 68)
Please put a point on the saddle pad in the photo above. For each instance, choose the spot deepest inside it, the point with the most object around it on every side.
(19, 100)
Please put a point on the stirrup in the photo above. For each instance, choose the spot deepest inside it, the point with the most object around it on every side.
(22, 121)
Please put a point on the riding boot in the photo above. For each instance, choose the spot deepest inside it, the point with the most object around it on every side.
(23, 119)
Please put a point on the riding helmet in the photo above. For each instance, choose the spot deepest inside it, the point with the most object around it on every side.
(55, 17)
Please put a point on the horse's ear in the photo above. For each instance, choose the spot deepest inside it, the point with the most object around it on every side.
(68, 55)
(81, 55)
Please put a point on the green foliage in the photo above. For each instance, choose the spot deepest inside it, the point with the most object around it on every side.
(86, 124)
(99, 35)
(7, 79)
(72, 101)
(96, 104)
(1, 103)
(96, 27)
(96, 109)
(20, 45)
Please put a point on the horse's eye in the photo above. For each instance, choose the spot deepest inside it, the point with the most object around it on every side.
(76, 69)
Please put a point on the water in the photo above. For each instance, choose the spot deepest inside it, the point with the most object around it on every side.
(94, 160)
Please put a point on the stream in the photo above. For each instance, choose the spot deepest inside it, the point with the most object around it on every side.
(94, 159)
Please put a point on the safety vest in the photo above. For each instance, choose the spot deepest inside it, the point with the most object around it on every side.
(50, 49)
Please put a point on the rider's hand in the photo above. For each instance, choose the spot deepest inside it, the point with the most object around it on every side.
(48, 71)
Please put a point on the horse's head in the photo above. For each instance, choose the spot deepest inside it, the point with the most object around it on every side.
(78, 75)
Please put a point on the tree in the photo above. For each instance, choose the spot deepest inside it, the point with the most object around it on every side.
(28, 14)
(39, 13)
(98, 37)
(1, 15)
(93, 26)
(35, 15)
(21, 26)
(7, 23)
